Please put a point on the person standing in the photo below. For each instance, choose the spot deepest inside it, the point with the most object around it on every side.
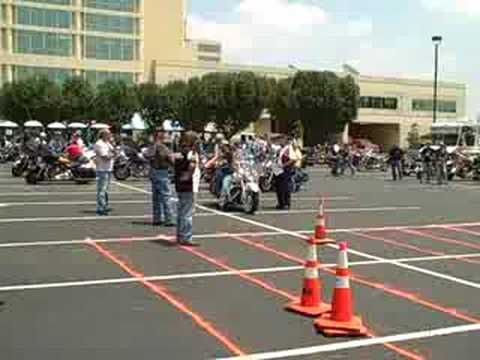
(185, 168)
(396, 159)
(105, 154)
(286, 162)
(160, 161)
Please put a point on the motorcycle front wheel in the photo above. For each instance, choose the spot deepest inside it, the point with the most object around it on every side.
(121, 173)
(265, 184)
(17, 171)
(31, 178)
(252, 203)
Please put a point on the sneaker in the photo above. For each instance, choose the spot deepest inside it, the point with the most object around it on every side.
(102, 213)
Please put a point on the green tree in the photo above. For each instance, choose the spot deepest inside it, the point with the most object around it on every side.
(176, 96)
(152, 103)
(195, 113)
(324, 103)
(115, 103)
(35, 98)
(413, 136)
(279, 105)
(77, 99)
(234, 100)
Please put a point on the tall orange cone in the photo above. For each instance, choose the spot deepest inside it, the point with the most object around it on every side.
(320, 234)
(341, 321)
(310, 303)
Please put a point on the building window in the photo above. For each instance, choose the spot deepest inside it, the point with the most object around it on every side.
(55, 74)
(112, 24)
(43, 17)
(376, 102)
(209, 58)
(209, 48)
(42, 43)
(114, 5)
(427, 105)
(102, 48)
(56, 2)
(99, 77)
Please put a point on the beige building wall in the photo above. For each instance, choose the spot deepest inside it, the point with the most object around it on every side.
(406, 91)
(77, 62)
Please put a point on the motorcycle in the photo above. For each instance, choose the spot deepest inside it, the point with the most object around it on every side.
(373, 161)
(20, 165)
(8, 153)
(267, 179)
(55, 168)
(132, 164)
(243, 191)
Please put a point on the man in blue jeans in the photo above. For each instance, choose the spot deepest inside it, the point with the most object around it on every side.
(105, 155)
(185, 167)
(160, 161)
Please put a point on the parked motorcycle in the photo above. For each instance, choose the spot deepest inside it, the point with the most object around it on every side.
(130, 164)
(20, 165)
(244, 190)
(55, 168)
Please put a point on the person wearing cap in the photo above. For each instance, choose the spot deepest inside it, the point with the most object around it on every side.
(186, 163)
(161, 160)
(105, 154)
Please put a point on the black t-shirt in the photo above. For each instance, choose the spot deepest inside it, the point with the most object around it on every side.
(396, 154)
(183, 173)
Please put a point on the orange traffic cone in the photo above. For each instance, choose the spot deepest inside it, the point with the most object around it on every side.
(311, 303)
(320, 235)
(341, 320)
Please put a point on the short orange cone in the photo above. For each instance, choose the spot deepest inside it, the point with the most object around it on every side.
(311, 303)
(320, 234)
(341, 321)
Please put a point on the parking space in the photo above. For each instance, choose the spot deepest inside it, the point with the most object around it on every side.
(78, 286)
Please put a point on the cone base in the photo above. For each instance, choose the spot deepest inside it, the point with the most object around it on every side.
(325, 322)
(311, 311)
(321, 241)
(344, 333)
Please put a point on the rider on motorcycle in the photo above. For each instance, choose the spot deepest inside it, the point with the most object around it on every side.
(225, 163)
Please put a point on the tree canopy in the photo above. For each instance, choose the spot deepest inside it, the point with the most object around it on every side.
(316, 104)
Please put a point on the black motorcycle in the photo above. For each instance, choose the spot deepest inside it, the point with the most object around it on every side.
(130, 163)
(54, 168)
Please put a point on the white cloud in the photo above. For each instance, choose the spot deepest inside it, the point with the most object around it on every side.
(281, 32)
(465, 7)
(282, 14)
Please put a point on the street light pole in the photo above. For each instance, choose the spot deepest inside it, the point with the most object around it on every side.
(436, 41)
(292, 85)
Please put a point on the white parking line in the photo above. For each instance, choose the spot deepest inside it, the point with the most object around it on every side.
(208, 213)
(354, 344)
(67, 203)
(352, 251)
(253, 234)
(279, 269)
(60, 193)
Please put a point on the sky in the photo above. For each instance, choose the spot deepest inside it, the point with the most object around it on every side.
(389, 37)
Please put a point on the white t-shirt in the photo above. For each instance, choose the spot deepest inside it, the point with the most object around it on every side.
(104, 155)
(196, 173)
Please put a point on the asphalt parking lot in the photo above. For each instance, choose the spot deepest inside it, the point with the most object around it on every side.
(74, 286)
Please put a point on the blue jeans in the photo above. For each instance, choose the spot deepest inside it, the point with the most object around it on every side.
(184, 217)
(226, 184)
(104, 180)
(160, 196)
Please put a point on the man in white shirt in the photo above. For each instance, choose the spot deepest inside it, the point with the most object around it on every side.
(105, 154)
